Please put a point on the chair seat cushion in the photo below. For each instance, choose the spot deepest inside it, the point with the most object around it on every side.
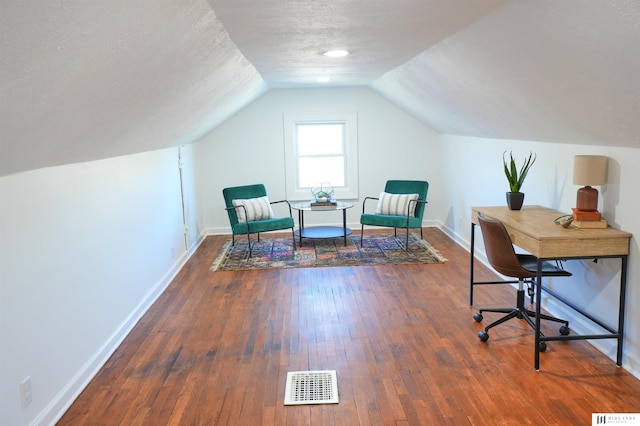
(264, 225)
(256, 209)
(390, 221)
(530, 263)
(396, 204)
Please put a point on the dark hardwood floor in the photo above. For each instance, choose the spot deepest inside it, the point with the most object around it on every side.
(216, 347)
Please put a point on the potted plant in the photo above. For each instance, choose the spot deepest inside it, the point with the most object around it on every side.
(515, 198)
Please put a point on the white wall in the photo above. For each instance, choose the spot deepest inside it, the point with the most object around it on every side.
(475, 177)
(249, 148)
(84, 250)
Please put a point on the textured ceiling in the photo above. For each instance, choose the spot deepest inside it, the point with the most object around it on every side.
(83, 80)
(285, 40)
(557, 71)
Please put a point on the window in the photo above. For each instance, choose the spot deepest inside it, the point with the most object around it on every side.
(320, 153)
(321, 148)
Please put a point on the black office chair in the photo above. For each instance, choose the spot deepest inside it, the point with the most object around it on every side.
(505, 260)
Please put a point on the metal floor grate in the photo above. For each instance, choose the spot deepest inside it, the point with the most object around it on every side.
(311, 387)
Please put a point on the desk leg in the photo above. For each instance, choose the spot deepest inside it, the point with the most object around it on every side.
(623, 290)
(536, 358)
(344, 225)
(473, 245)
(300, 224)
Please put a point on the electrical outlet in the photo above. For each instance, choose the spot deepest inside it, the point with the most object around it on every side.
(25, 392)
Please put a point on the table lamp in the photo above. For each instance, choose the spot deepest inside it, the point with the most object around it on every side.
(589, 170)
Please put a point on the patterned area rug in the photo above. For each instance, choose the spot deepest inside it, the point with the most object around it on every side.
(377, 249)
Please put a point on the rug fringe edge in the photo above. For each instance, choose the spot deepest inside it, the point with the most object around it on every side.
(221, 257)
(432, 249)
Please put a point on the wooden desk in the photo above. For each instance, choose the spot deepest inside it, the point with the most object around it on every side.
(533, 229)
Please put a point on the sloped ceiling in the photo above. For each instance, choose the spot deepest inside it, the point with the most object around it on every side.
(558, 71)
(83, 80)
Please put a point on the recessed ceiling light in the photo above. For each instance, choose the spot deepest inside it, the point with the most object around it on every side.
(336, 53)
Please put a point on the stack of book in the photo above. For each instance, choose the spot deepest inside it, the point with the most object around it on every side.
(315, 204)
(584, 219)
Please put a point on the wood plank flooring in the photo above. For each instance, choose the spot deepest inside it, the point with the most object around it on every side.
(216, 347)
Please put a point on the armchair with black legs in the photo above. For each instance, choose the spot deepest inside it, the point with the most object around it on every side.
(400, 205)
(503, 258)
(250, 212)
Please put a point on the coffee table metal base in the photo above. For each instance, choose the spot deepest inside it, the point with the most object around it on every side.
(322, 232)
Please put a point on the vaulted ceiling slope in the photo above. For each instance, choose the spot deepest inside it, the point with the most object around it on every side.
(83, 80)
(544, 70)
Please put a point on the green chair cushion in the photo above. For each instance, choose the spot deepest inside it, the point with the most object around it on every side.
(390, 221)
(264, 225)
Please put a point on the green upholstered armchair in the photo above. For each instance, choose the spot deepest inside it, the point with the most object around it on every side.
(250, 212)
(399, 207)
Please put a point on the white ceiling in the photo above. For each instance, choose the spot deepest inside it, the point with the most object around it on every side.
(285, 40)
(83, 80)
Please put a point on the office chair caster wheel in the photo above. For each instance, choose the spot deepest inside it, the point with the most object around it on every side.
(483, 336)
(478, 317)
(542, 346)
(564, 330)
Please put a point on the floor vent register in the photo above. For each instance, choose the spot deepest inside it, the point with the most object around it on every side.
(311, 387)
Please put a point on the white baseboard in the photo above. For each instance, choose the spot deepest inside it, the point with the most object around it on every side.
(63, 400)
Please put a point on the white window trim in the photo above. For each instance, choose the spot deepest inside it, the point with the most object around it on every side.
(350, 190)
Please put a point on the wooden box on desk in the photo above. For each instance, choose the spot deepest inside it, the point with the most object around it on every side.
(584, 216)
(588, 220)
(590, 224)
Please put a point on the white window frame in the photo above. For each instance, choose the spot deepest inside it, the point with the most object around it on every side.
(350, 119)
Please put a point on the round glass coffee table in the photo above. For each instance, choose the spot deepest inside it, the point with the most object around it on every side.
(322, 231)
